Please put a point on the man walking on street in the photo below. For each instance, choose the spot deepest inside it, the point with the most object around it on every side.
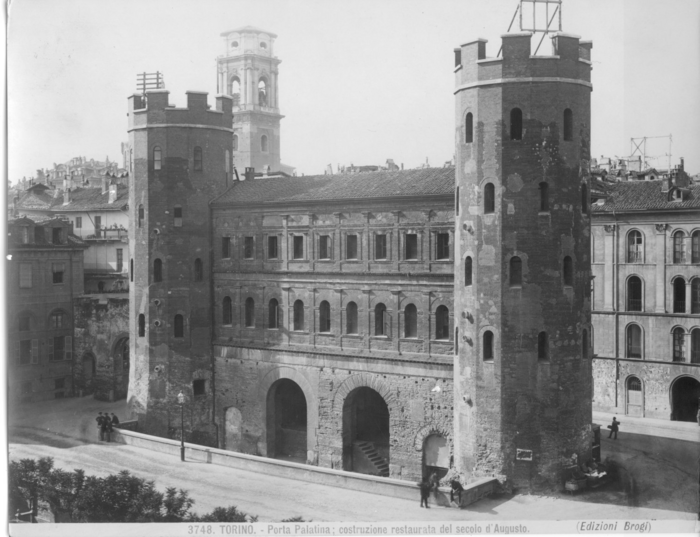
(100, 429)
(424, 486)
(614, 428)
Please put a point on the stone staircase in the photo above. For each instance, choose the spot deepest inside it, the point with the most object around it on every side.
(368, 450)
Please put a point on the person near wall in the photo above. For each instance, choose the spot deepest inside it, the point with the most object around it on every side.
(614, 427)
(456, 488)
(100, 421)
(115, 420)
(424, 486)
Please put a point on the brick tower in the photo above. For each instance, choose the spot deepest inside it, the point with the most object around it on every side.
(248, 73)
(522, 266)
(181, 161)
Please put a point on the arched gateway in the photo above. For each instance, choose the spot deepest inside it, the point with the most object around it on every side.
(366, 432)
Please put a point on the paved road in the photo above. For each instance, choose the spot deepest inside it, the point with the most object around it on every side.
(33, 433)
(680, 430)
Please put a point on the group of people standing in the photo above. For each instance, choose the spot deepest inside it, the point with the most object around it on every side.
(105, 425)
(428, 484)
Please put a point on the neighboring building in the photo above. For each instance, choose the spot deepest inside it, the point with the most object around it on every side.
(44, 273)
(646, 265)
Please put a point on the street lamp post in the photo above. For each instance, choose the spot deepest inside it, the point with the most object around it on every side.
(181, 400)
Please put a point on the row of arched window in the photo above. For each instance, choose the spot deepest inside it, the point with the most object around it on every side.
(57, 320)
(634, 346)
(197, 158)
(298, 324)
(235, 89)
(544, 206)
(516, 125)
(515, 273)
(635, 247)
(487, 346)
(635, 295)
(197, 274)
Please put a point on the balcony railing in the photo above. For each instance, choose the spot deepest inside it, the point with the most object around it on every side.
(634, 257)
(109, 234)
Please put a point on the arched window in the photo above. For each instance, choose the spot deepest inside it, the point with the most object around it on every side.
(487, 346)
(298, 315)
(516, 124)
(584, 199)
(227, 311)
(516, 271)
(469, 129)
(679, 247)
(467, 271)
(544, 197)
(635, 247)
(695, 346)
(235, 142)
(695, 247)
(634, 341)
(542, 346)
(489, 198)
(179, 326)
(634, 294)
(568, 125)
(678, 345)
(324, 317)
(679, 295)
(695, 295)
(568, 269)
(585, 344)
(381, 327)
(351, 318)
(263, 143)
(140, 215)
(442, 323)
(410, 321)
(198, 270)
(157, 158)
(142, 325)
(249, 313)
(273, 314)
(198, 159)
(157, 270)
(236, 90)
(262, 92)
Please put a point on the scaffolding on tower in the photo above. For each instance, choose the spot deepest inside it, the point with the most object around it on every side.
(149, 81)
(535, 17)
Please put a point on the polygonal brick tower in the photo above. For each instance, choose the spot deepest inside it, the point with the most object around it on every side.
(180, 160)
(522, 266)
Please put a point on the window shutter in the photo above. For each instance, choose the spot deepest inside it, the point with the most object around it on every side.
(50, 342)
(35, 351)
(68, 347)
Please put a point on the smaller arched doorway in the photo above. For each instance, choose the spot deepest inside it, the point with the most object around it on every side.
(436, 456)
(685, 392)
(286, 421)
(635, 397)
(366, 433)
(121, 369)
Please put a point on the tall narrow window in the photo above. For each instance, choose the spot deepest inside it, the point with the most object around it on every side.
(58, 269)
(516, 271)
(380, 246)
(298, 247)
(584, 344)
(443, 246)
(298, 315)
(199, 387)
(678, 247)
(142, 325)
(324, 317)
(679, 295)
(262, 89)
(469, 129)
(568, 125)
(678, 345)
(568, 269)
(542, 346)
(236, 92)
(695, 346)
(157, 270)
(156, 158)
(634, 341)
(248, 247)
(489, 198)
(249, 312)
(544, 197)
(227, 311)
(381, 327)
(226, 247)
(487, 346)
(351, 247)
(272, 247)
(177, 216)
(98, 226)
(442, 323)
(57, 235)
(410, 321)
(198, 159)
(273, 314)
(468, 271)
(516, 124)
(634, 294)
(584, 199)
(78, 225)
(198, 270)
(635, 247)
(695, 295)
(140, 215)
(227, 165)
(411, 246)
(263, 144)
(695, 247)
(179, 326)
(324, 247)
(351, 318)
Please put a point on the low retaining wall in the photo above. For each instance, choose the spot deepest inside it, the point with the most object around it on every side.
(312, 474)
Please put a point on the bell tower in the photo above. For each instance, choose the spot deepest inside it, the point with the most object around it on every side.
(523, 379)
(247, 71)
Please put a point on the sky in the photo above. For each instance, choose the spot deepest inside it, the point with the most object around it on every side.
(360, 81)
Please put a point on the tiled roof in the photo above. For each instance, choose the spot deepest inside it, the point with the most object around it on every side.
(645, 195)
(383, 184)
(81, 199)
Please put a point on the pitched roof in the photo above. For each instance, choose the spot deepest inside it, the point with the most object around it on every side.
(382, 184)
(645, 196)
(81, 199)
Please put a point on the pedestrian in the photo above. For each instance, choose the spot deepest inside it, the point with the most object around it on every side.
(115, 420)
(434, 484)
(106, 427)
(614, 428)
(100, 430)
(456, 488)
(424, 486)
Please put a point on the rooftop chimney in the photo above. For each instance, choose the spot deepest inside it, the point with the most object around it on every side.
(112, 193)
(249, 174)
(66, 196)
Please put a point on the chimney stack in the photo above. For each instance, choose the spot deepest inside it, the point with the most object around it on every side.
(249, 174)
(112, 193)
(66, 196)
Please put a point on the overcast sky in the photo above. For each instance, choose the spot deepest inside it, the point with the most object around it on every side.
(360, 81)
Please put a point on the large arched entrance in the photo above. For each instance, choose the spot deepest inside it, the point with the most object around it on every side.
(286, 421)
(685, 392)
(121, 368)
(366, 432)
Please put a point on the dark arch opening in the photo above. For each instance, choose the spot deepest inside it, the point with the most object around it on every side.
(366, 433)
(516, 124)
(286, 421)
(436, 456)
(635, 397)
(679, 295)
(685, 393)
(568, 125)
(122, 363)
(489, 198)
(469, 129)
(468, 271)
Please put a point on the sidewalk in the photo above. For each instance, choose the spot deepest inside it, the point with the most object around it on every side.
(680, 430)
